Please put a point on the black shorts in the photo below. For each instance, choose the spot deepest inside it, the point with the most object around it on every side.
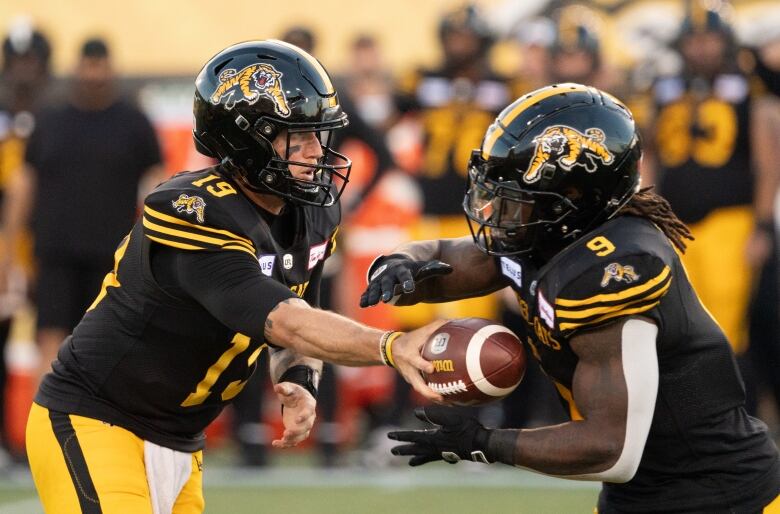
(65, 288)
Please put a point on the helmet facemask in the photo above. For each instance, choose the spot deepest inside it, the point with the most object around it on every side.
(506, 219)
(330, 174)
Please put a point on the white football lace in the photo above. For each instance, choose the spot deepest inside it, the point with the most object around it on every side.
(448, 387)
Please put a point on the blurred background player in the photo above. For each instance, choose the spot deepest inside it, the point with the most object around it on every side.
(24, 82)
(83, 166)
(712, 143)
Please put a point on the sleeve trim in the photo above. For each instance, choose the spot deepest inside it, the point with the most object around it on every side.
(620, 313)
(587, 313)
(632, 293)
(175, 244)
(208, 241)
(171, 219)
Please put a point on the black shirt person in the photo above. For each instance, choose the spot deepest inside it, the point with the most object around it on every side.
(84, 162)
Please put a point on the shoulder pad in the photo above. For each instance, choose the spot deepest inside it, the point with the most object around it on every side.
(624, 268)
(622, 286)
(181, 215)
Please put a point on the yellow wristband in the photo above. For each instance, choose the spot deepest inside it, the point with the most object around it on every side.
(389, 347)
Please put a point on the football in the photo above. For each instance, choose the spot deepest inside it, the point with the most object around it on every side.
(476, 361)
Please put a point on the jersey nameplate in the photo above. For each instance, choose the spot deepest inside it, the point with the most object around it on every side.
(267, 264)
(513, 270)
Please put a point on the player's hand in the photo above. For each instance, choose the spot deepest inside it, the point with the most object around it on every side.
(391, 276)
(298, 414)
(406, 352)
(457, 438)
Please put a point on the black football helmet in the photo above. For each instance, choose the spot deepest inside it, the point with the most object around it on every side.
(555, 164)
(248, 94)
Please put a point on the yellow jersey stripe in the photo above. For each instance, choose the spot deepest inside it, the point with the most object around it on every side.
(175, 244)
(527, 102)
(314, 62)
(560, 313)
(171, 219)
(241, 248)
(626, 312)
(196, 237)
(574, 412)
(620, 295)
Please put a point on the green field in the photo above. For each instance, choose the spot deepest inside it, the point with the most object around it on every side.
(439, 489)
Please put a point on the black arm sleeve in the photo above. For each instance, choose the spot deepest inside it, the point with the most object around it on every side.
(227, 284)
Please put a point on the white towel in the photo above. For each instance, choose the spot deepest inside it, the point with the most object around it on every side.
(166, 471)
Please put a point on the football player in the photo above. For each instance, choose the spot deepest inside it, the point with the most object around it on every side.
(224, 263)
(712, 136)
(655, 400)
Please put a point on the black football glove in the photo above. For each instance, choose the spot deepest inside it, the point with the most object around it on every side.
(457, 438)
(390, 276)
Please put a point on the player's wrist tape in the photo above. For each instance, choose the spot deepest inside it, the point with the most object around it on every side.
(386, 347)
(500, 445)
(304, 376)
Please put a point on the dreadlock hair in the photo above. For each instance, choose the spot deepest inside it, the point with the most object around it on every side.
(655, 208)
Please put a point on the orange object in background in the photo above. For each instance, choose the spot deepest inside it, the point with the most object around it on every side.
(20, 387)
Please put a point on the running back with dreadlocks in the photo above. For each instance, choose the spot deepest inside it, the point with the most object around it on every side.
(647, 204)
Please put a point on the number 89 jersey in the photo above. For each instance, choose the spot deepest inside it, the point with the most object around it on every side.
(701, 443)
(151, 358)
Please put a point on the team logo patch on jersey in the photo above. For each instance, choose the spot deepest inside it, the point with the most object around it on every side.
(567, 147)
(249, 85)
(619, 273)
(513, 270)
(266, 264)
(546, 310)
(287, 261)
(191, 205)
(317, 253)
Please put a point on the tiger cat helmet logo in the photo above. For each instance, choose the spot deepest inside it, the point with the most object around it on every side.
(568, 147)
(619, 273)
(191, 205)
(249, 85)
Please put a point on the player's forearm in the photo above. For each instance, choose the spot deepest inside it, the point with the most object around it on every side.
(285, 358)
(322, 334)
(571, 450)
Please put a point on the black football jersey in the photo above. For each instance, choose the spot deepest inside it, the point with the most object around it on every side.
(703, 452)
(703, 144)
(160, 365)
(454, 114)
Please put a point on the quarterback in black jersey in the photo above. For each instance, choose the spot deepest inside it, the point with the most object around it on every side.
(655, 400)
(225, 262)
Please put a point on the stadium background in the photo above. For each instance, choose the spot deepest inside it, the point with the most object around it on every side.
(157, 49)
